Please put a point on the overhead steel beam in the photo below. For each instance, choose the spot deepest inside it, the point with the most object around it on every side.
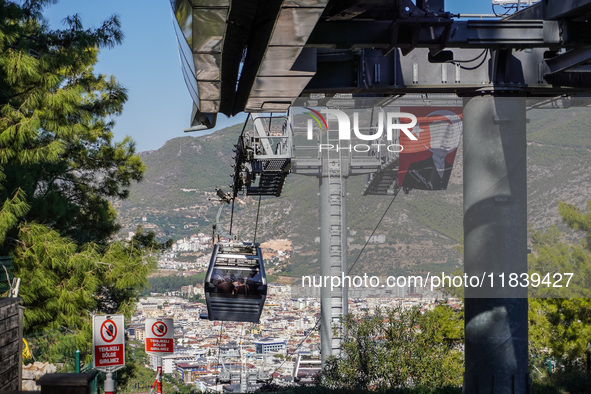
(506, 34)
(571, 9)
(368, 71)
(260, 56)
(462, 34)
(569, 59)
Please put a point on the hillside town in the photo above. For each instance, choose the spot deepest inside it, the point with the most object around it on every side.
(191, 254)
(275, 349)
(283, 348)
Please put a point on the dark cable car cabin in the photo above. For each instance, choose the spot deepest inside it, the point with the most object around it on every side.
(235, 284)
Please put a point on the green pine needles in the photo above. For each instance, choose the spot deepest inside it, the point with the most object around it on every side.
(60, 171)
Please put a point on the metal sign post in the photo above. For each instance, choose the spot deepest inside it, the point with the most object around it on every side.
(108, 350)
(159, 342)
(159, 372)
(109, 383)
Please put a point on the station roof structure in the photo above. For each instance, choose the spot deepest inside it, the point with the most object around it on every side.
(262, 55)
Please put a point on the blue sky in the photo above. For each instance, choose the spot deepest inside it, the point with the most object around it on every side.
(147, 64)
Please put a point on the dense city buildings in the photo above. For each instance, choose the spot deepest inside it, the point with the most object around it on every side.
(286, 342)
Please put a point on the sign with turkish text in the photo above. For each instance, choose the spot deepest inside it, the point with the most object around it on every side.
(108, 337)
(160, 336)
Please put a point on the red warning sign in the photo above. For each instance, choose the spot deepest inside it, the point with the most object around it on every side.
(159, 345)
(107, 356)
(160, 336)
(108, 342)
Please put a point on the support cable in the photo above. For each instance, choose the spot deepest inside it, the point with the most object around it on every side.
(256, 224)
(232, 215)
(219, 350)
(296, 349)
(374, 230)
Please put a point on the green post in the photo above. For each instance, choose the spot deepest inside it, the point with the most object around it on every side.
(549, 367)
(77, 361)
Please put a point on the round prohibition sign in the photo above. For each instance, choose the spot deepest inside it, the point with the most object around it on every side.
(108, 330)
(159, 329)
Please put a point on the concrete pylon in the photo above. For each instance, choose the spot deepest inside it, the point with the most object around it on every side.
(495, 237)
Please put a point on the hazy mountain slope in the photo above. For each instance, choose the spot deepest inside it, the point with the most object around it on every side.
(421, 229)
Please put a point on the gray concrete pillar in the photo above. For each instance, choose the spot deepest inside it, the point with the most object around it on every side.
(495, 238)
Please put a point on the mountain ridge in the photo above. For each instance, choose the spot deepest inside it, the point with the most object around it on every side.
(421, 229)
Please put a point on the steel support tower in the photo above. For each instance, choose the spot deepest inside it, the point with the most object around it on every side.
(333, 248)
(333, 168)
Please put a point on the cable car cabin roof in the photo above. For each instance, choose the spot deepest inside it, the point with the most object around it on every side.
(246, 248)
(242, 257)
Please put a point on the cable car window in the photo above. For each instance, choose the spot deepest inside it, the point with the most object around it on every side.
(237, 281)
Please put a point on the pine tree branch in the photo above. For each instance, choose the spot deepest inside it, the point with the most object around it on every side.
(17, 94)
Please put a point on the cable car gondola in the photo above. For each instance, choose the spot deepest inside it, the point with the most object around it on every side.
(235, 284)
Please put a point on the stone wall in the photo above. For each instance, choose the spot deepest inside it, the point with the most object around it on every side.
(11, 343)
(32, 372)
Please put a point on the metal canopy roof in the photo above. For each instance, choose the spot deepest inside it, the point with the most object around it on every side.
(261, 55)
